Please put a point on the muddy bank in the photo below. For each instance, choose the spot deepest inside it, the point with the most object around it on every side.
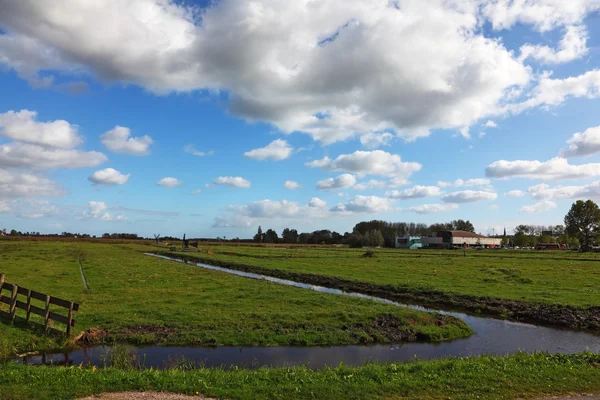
(539, 313)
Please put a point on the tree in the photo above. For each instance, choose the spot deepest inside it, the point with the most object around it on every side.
(289, 236)
(270, 236)
(519, 239)
(460, 225)
(583, 221)
(258, 238)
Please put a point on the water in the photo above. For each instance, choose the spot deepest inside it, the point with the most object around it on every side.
(493, 336)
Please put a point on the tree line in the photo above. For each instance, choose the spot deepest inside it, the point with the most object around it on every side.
(375, 233)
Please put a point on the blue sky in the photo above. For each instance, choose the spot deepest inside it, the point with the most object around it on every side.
(485, 92)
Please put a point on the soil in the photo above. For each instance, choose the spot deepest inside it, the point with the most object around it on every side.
(539, 313)
(143, 396)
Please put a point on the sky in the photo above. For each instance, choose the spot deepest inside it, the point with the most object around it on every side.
(212, 118)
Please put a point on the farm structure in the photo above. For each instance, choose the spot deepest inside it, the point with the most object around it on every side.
(448, 240)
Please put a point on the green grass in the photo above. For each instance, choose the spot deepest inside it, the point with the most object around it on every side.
(140, 300)
(549, 277)
(516, 376)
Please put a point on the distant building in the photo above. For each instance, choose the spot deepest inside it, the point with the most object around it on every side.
(408, 242)
(459, 239)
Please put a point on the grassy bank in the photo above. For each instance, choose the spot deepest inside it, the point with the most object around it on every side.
(516, 376)
(560, 288)
(144, 300)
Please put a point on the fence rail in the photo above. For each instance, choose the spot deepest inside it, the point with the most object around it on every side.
(14, 303)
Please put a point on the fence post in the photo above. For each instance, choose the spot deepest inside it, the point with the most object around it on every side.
(13, 303)
(70, 319)
(28, 305)
(47, 317)
(1, 280)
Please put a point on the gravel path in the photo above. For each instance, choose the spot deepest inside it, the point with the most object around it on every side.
(144, 396)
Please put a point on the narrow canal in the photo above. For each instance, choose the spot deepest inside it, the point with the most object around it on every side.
(492, 336)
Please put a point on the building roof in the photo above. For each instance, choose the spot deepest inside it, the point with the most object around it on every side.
(465, 234)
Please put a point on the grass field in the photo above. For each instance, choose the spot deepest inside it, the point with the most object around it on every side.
(518, 376)
(144, 300)
(552, 277)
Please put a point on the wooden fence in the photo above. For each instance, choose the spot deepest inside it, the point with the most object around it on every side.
(44, 312)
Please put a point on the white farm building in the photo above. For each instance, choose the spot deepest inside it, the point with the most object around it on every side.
(453, 239)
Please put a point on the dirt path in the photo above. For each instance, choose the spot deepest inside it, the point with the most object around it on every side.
(144, 396)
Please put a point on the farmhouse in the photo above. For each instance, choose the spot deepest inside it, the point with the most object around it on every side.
(447, 240)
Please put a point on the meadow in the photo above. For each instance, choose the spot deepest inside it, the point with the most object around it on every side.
(143, 300)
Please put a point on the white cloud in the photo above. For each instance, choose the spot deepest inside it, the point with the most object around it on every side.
(118, 141)
(169, 182)
(14, 185)
(317, 202)
(433, 208)
(571, 47)
(373, 140)
(544, 15)
(515, 193)
(252, 213)
(35, 209)
(468, 196)
(277, 150)
(376, 162)
(18, 154)
(416, 192)
(490, 124)
(583, 144)
(377, 184)
(99, 210)
(193, 151)
(22, 126)
(541, 206)
(545, 192)
(343, 181)
(337, 76)
(554, 169)
(291, 185)
(4, 207)
(553, 92)
(232, 181)
(481, 134)
(197, 191)
(465, 183)
(365, 204)
(108, 176)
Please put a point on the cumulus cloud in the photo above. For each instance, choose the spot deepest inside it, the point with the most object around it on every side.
(378, 184)
(514, 193)
(343, 181)
(373, 140)
(465, 183)
(34, 209)
(19, 154)
(99, 210)
(340, 75)
(416, 192)
(248, 215)
(291, 185)
(232, 181)
(553, 92)
(197, 191)
(117, 140)
(277, 150)
(583, 144)
(317, 202)
(490, 124)
(24, 127)
(365, 204)
(468, 196)
(361, 163)
(544, 15)
(193, 151)
(545, 192)
(433, 208)
(108, 176)
(571, 47)
(554, 169)
(169, 182)
(14, 185)
(541, 206)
